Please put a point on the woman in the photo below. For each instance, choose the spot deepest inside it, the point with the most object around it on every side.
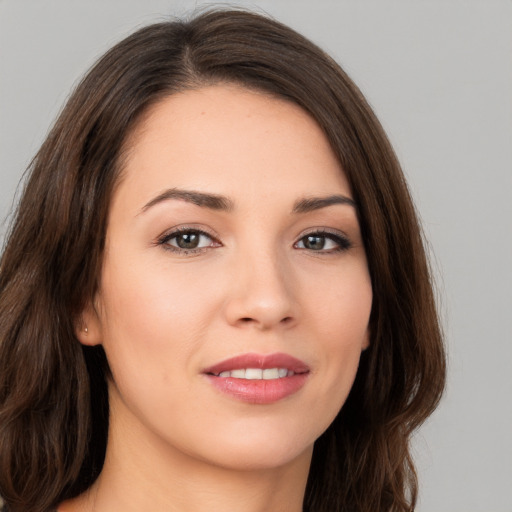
(215, 293)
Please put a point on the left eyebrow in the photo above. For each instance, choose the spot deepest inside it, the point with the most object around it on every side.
(309, 204)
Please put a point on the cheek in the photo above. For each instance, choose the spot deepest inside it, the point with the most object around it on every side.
(153, 324)
(340, 316)
(148, 296)
(340, 309)
(151, 319)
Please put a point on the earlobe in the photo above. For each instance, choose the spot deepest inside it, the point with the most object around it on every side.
(366, 341)
(88, 328)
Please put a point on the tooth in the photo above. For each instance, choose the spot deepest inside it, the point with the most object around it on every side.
(270, 373)
(253, 373)
(257, 373)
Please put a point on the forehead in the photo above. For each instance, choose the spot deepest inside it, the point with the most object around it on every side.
(224, 137)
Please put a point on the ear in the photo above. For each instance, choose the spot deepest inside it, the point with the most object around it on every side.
(366, 340)
(88, 328)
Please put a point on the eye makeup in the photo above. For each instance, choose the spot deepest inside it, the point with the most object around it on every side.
(324, 241)
(187, 240)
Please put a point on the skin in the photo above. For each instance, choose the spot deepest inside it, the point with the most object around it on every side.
(254, 286)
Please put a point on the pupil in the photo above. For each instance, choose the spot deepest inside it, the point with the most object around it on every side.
(315, 242)
(188, 240)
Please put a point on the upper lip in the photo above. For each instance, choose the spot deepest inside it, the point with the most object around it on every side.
(277, 360)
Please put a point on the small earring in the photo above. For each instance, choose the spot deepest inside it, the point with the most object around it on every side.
(86, 330)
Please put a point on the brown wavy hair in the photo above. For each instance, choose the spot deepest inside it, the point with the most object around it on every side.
(53, 394)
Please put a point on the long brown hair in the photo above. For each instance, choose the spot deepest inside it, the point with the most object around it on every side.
(53, 395)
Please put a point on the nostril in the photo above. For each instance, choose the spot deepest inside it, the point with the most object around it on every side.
(247, 319)
(285, 320)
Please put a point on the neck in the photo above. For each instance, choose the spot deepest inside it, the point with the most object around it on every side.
(187, 489)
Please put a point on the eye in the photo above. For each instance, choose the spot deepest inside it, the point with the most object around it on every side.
(187, 240)
(324, 242)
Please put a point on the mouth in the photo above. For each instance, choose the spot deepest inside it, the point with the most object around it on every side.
(258, 379)
(257, 373)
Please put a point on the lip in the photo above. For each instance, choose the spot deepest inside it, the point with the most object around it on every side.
(258, 391)
(263, 362)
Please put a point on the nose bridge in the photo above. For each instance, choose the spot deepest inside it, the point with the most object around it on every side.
(261, 287)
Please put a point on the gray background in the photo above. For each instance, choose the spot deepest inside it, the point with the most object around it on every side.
(439, 75)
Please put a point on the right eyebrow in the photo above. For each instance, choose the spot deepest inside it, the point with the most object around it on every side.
(211, 201)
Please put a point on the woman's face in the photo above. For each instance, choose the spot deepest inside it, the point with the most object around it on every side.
(235, 294)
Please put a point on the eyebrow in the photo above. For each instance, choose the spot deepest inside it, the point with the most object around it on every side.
(310, 204)
(222, 203)
(211, 201)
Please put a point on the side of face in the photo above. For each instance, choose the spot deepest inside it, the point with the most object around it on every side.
(231, 235)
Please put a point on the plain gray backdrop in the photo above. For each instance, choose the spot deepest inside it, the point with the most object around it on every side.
(439, 76)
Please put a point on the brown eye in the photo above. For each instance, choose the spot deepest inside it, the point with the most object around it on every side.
(323, 242)
(314, 242)
(188, 240)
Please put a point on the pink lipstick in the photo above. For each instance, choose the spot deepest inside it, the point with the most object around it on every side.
(258, 379)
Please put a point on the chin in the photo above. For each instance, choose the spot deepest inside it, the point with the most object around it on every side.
(258, 459)
(259, 448)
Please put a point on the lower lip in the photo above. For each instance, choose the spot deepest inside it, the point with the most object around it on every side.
(259, 391)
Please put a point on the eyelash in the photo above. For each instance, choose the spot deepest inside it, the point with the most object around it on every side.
(166, 238)
(342, 241)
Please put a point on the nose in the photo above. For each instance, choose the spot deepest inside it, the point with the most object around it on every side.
(261, 293)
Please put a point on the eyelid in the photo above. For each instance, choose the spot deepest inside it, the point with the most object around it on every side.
(173, 232)
(339, 236)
